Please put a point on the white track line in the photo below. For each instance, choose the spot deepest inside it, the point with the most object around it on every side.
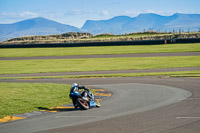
(188, 117)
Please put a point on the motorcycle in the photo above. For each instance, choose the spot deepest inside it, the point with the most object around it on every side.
(84, 100)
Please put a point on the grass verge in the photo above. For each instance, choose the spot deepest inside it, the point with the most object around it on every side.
(31, 52)
(96, 64)
(19, 98)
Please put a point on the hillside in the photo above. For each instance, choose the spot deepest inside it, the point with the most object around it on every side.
(35, 26)
(57, 38)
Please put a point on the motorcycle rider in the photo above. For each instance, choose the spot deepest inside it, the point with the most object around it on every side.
(75, 88)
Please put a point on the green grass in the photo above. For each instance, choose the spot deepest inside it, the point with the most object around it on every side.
(19, 98)
(195, 73)
(96, 64)
(30, 52)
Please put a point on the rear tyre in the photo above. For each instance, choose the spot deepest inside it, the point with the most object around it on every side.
(83, 104)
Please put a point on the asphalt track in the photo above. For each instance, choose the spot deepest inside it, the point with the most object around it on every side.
(138, 104)
(142, 104)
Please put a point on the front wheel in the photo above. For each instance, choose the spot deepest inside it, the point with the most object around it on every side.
(83, 104)
(98, 105)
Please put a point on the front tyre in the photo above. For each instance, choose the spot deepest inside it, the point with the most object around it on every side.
(83, 104)
(98, 105)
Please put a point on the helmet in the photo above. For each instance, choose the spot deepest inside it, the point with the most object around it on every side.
(74, 85)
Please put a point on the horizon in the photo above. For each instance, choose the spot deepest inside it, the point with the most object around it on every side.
(75, 13)
(95, 20)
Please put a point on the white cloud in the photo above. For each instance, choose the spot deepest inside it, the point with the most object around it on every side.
(25, 14)
(149, 11)
(104, 13)
(136, 13)
(28, 14)
(74, 12)
(130, 13)
(8, 14)
(12, 17)
(133, 13)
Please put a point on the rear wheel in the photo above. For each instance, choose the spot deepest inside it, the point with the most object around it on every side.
(83, 104)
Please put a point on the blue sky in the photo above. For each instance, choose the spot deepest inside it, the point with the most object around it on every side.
(76, 12)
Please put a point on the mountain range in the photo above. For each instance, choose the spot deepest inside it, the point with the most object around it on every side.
(35, 26)
(144, 22)
(116, 25)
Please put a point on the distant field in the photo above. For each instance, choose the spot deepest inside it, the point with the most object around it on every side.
(30, 52)
(96, 64)
(19, 98)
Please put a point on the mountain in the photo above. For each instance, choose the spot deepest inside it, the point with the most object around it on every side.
(35, 26)
(184, 21)
(116, 25)
(124, 24)
(106, 26)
